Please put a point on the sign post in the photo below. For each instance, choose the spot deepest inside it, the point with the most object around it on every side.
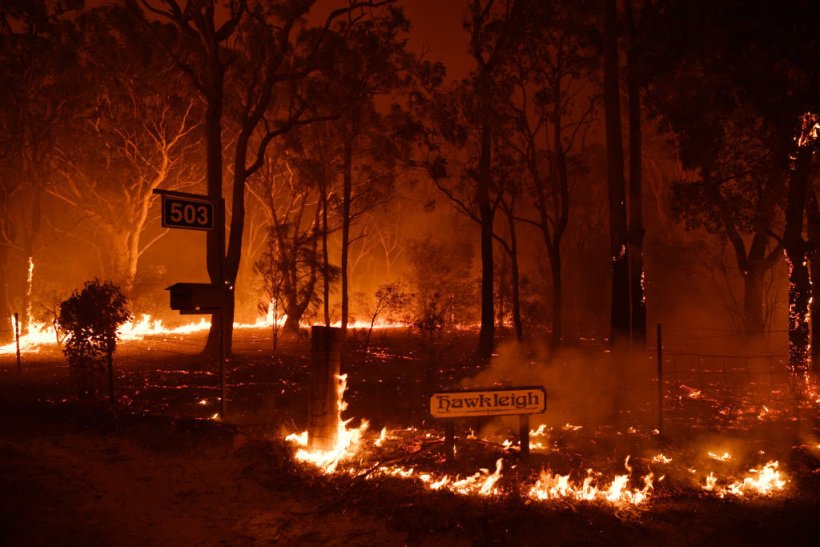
(521, 401)
(195, 212)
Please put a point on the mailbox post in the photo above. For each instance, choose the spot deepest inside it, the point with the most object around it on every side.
(207, 299)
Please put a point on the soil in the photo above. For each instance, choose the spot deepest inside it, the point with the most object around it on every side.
(158, 469)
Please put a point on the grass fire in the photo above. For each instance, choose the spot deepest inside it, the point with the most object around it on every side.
(404, 272)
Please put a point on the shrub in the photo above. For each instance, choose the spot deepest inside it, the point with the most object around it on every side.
(90, 320)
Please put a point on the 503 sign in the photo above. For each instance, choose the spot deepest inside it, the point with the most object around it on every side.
(189, 213)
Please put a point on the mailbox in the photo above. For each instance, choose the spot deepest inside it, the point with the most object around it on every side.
(194, 298)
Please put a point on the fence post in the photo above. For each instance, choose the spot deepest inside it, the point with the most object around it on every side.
(660, 378)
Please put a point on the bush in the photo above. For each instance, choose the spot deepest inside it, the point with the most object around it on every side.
(90, 320)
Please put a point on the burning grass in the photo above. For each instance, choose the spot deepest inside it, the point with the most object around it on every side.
(356, 457)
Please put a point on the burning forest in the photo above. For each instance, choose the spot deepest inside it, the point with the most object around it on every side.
(380, 272)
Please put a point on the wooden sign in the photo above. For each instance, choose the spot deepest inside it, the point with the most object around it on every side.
(489, 402)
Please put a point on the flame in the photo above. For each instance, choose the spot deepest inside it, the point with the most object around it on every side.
(347, 440)
(382, 437)
(551, 487)
(761, 482)
(660, 458)
(725, 457)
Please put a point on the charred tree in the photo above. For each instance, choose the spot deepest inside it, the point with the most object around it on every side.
(813, 227)
(796, 248)
(620, 321)
(637, 285)
(486, 215)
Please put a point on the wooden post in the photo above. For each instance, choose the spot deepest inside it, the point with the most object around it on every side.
(524, 434)
(17, 338)
(660, 379)
(450, 441)
(323, 396)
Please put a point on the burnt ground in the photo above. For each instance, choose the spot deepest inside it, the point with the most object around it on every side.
(158, 470)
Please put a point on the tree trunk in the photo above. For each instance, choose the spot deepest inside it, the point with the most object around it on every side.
(620, 316)
(215, 239)
(636, 230)
(753, 322)
(557, 297)
(347, 191)
(516, 281)
(487, 332)
(795, 246)
(325, 257)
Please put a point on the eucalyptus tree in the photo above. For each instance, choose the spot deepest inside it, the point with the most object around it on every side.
(250, 62)
(133, 133)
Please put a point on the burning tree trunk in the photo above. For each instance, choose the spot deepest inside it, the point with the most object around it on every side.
(796, 256)
(813, 224)
(619, 255)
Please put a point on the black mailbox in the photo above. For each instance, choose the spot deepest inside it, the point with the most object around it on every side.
(194, 298)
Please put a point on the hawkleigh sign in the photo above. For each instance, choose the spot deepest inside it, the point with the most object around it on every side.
(488, 402)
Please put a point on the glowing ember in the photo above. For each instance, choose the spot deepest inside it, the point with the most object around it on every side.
(569, 427)
(660, 458)
(761, 482)
(725, 457)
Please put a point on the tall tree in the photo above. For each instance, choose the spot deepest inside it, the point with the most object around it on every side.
(552, 104)
(637, 289)
(468, 114)
(618, 233)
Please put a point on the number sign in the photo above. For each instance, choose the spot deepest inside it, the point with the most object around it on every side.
(185, 212)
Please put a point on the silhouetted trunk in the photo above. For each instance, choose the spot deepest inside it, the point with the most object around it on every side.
(516, 282)
(619, 255)
(346, 196)
(795, 246)
(636, 230)
(215, 239)
(753, 320)
(487, 332)
(557, 297)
